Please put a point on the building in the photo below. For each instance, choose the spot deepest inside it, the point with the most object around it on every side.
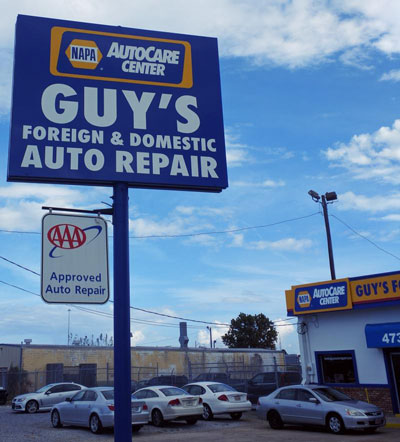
(93, 365)
(349, 335)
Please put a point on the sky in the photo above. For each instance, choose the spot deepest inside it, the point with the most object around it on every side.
(310, 95)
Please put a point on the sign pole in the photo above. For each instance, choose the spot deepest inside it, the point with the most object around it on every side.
(122, 347)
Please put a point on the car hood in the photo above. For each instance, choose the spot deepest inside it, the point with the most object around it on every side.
(360, 405)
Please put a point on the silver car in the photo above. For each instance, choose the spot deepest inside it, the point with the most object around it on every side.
(45, 397)
(94, 408)
(319, 405)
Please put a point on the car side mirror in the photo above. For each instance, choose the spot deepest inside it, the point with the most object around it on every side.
(313, 400)
(68, 399)
(48, 392)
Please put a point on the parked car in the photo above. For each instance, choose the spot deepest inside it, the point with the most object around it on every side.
(263, 384)
(319, 405)
(94, 408)
(219, 398)
(3, 396)
(168, 379)
(167, 403)
(45, 397)
(225, 378)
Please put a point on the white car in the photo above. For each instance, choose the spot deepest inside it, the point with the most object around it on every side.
(45, 397)
(167, 403)
(94, 408)
(219, 398)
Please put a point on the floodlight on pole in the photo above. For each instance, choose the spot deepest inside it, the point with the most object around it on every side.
(328, 197)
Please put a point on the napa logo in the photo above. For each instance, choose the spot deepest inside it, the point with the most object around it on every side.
(83, 54)
(304, 299)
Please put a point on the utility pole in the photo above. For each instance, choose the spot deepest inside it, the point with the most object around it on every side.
(329, 196)
(69, 312)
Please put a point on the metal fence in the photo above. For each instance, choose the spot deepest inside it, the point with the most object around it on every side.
(90, 375)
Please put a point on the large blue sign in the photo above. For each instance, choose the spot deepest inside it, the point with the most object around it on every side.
(96, 104)
(322, 297)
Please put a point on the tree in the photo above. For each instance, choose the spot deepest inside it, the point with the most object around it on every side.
(251, 331)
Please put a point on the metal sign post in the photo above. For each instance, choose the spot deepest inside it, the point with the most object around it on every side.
(122, 345)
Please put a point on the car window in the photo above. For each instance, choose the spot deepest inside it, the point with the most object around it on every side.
(196, 390)
(140, 394)
(57, 389)
(108, 394)
(258, 379)
(288, 394)
(78, 396)
(43, 389)
(216, 388)
(71, 387)
(151, 393)
(331, 395)
(90, 395)
(173, 391)
(304, 395)
(269, 377)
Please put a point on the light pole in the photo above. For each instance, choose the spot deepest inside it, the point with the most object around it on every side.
(328, 197)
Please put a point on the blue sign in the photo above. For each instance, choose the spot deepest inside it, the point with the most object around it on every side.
(95, 104)
(383, 335)
(322, 297)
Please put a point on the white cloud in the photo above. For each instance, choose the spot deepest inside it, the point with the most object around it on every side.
(393, 75)
(286, 244)
(369, 156)
(271, 32)
(371, 204)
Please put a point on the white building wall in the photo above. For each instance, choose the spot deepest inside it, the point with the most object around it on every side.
(345, 330)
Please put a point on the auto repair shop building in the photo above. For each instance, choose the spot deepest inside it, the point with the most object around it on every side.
(349, 335)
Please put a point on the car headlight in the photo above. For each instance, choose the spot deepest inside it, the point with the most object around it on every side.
(21, 399)
(351, 412)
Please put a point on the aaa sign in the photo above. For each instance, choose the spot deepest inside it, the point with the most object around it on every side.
(74, 259)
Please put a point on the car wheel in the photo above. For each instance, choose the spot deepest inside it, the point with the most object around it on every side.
(207, 413)
(275, 420)
(157, 418)
(95, 424)
(236, 416)
(32, 407)
(335, 424)
(136, 428)
(55, 419)
(191, 420)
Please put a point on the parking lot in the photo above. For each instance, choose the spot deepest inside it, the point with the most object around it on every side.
(21, 427)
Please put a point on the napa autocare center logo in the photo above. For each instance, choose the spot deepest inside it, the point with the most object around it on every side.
(322, 297)
(74, 259)
(107, 104)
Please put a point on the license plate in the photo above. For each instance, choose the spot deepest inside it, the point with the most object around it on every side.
(136, 409)
(237, 398)
(376, 422)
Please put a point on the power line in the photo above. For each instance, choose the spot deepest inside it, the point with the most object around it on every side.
(183, 235)
(364, 237)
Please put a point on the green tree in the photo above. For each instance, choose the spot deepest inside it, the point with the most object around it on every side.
(251, 331)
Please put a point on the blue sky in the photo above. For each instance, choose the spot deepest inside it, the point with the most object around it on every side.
(310, 93)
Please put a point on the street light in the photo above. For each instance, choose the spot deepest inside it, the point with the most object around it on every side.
(328, 197)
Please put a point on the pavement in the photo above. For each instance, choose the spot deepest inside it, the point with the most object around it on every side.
(393, 421)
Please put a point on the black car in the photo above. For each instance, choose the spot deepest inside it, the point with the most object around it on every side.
(263, 384)
(168, 379)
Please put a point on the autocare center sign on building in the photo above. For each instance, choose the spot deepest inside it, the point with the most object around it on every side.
(96, 104)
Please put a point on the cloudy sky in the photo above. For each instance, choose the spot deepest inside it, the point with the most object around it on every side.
(309, 92)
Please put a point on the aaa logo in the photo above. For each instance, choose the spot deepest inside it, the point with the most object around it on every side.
(66, 236)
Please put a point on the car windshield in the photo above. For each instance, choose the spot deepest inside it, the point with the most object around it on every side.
(331, 395)
(217, 388)
(108, 394)
(46, 387)
(172, 391)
